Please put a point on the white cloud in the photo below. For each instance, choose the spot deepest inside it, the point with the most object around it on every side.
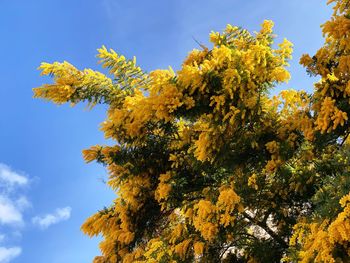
(60, 214)
(10, 177)
(12, 205)
(23, 203)
(7, 254)
(9, 212)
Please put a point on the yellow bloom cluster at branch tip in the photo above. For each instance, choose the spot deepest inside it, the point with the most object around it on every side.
(275, 161)
(126, 72)
(329, 114)
(227, 201)
(198, 248)
(252, 182)
(66, 76)
(163, 188)
(205, 219)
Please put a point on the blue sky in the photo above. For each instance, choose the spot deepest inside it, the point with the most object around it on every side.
(46, 190)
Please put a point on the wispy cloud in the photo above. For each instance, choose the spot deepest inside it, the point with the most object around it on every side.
(60, 214)
(8, 177)
(7, 254)
(9, 213)
(13, 202)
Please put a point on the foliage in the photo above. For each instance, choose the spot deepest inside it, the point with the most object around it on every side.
(208, 166)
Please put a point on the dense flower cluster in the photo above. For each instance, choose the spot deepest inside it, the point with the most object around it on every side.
(209, 167)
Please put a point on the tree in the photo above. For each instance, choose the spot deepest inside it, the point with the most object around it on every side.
(208, 166)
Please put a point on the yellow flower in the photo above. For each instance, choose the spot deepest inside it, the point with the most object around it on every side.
(280, 75)
(272, 147)
(332, 77)
(198, 248)
(266, 27)
(215, 37)
(306, 60)
(252, 181)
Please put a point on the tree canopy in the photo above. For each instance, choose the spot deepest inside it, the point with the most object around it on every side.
(207, 165)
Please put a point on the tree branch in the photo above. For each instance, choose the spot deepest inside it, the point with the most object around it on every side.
(268, 230)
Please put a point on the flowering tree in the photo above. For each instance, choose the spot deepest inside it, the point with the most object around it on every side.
(207, 166)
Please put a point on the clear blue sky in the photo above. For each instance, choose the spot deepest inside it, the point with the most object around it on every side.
(42, 168)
